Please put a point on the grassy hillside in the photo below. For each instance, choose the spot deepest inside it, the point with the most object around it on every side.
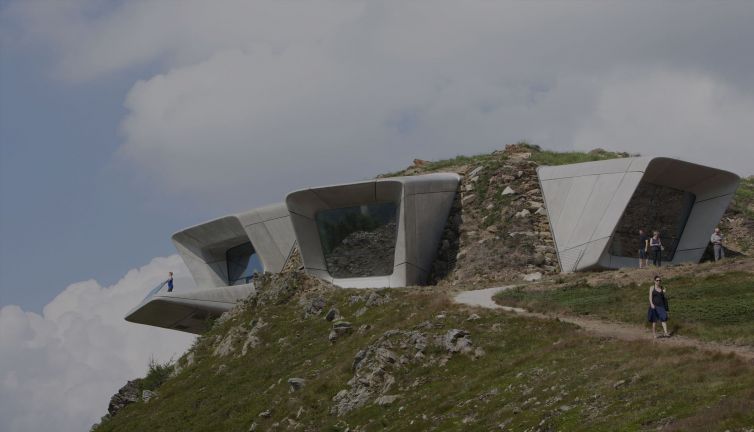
(510, 373)
(718, 307)
(408, 360)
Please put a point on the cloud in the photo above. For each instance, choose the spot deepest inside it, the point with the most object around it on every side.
(59, 369)
(239, 94)
(683, 114)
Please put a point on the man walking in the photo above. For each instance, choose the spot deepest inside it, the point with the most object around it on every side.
(717, 244)
(643, 248)
(170, 281)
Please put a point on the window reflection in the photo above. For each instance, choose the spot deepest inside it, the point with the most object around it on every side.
(653, 208)
(243, 262)
(359, 241)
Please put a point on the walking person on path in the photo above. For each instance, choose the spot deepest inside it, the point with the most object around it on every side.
(656, 245)
(643, 248)
(658, 307)
(170, 281)
(717, 244)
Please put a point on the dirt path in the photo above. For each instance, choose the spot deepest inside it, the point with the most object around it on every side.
(483, 298)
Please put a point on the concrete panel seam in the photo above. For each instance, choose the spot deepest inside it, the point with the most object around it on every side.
(713, 198)
(592, 175)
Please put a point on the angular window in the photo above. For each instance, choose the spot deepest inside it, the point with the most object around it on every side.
(653, 208)
(243, 262)
(359, 241)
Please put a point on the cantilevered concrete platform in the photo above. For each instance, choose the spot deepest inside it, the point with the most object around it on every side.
(221, 256)
(596, 209)
(377, 233)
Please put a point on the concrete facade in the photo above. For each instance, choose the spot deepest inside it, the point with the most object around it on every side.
(585, 204)
(423, 204)
(203, 249)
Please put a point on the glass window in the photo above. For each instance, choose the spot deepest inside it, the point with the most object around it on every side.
(359, 241)
(243, 262)
(653, 208)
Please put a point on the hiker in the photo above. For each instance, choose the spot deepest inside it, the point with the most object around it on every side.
(170, 281)
(643, 248)
(656, 244)
(717, 244)
(658, 307)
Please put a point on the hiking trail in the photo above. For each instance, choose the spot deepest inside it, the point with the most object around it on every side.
(483, 298)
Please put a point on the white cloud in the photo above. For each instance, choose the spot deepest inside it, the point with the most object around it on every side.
(687, 115)
(287, 94)
(59, 369)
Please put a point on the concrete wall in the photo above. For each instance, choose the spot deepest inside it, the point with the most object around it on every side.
(423, 202)
(202, 248)
(585, 203)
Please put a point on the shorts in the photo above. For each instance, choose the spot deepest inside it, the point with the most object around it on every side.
(657, 314)
(642, 254)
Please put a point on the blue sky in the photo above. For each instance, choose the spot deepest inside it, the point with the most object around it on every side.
(122, 122)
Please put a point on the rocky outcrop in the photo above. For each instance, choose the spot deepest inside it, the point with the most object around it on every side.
(364, 253)
(127, 395)
(374, 367)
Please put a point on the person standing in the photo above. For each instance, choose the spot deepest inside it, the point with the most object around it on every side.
(170, 281)
(658, 307)
(656, 245)
(643, 248)
(717, 244)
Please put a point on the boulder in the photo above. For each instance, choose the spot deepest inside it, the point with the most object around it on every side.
(508, 191)
(296, 384)
(532, 277)
(332, 315)
(386, 400)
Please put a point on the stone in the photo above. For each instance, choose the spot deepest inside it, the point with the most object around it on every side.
(619, 384)
(332, 314)
(333, 336)
(508, 191)
(342, 327)
(126, 395)
(456, 340)
(541, 211)
(386, 400)
(473, 317)
(296, 384)
(468, 188)
(361, 311)
(523, 213)
(468, 199)
(475, 171)
(265, 414)
(538, 259)
(146, 395)
(532, 277)
(535, 205)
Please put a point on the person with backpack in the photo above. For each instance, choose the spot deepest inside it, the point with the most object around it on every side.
(658, 307)
(170, 281)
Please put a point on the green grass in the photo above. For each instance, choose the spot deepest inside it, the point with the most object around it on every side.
(544, 375)
(716, 308)
(551, 158)
(743, 202)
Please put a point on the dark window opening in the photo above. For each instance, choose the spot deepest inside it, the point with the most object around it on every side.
(243, 262)
(359, 241)
(653, 208)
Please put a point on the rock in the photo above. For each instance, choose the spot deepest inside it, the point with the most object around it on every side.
(468, 199)
(332, 314)
(522, 213)
(265, 414)
(532, 277)
(473, 317)
(252, 340)
(535, 205)
(126, 395)
(146, 395)
(312, 305)
(508, 191)
(475, 171)
(253, 427)
(419, 162)
(342, 328)
(333, 336)
(296, 384)
(386, 400)
(468, 188)
(541, 211)
(375, 299)
(461, 254)
(361, 311)
(619, 384)
(538, 259)
(456, 340)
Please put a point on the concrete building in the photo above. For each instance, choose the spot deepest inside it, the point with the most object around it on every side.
(222, 256)
(597, 208)
(376, 233)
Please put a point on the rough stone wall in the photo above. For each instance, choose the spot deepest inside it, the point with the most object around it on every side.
(364, 253)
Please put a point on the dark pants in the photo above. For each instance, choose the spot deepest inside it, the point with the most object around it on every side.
(656, 256)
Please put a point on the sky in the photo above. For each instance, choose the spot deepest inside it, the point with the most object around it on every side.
(123, 122)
